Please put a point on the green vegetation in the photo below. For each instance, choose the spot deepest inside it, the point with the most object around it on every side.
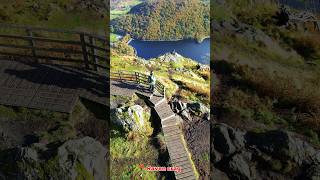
(165, 20)
(136, 172)
(122, 7)
(23, 114)
(61, 14)
(128, 148)
(189, 82)
(83, 174)
(267, 84)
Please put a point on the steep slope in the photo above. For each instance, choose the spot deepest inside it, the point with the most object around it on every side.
(265, 85)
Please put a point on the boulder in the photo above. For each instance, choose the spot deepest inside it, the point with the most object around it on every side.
(177, 106)
(283, 145)
(85, 154)
(198, 108)
(136, 112)
(238, 168)
(186, 115)
(27, 154)
(226, 140)
(131, 118)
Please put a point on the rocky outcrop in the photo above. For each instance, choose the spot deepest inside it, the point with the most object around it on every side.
(170, 57)
(273, 154)
(133, 118)
(85, 154)
(187, 110)
(82, 158)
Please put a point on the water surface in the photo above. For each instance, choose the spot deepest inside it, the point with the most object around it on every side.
(188, 48)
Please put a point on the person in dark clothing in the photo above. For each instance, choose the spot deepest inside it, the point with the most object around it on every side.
(151, 81)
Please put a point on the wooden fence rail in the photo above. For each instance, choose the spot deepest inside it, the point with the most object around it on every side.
(55, 46)
(138, 78)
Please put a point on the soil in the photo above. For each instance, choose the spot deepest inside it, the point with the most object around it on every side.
(197, 134)
(20, 133)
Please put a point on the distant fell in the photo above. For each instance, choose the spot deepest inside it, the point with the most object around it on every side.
(166, 20)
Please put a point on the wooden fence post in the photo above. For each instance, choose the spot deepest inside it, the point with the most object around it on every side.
(137, 77)
(119, 75)
(32, 44)
(84, 50)
(93, 52)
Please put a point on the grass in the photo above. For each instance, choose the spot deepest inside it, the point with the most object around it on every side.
(23, 114)
(194, 81)
(135, 172)
(83, 174)
(123, 7)
(272, 100)
(53, 15)
(113, 38)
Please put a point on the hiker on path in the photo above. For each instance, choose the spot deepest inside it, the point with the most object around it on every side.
(151, 81)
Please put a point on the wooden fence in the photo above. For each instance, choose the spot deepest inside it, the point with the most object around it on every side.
(138, 78)
(54, 46)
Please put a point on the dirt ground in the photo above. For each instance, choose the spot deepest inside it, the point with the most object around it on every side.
(197, 134)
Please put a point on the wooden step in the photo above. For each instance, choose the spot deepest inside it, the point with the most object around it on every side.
(180, 153)
(179, 158)
(188, 175)
(184, 176)
(173, 141)
(166, 128)
(182, 160)
(186, 171)
(186, 167)
(175, 149)
(173, 145)
(173, 131)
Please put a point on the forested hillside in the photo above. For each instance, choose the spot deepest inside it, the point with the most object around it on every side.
(165, 20)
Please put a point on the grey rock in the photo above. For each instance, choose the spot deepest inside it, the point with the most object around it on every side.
(131, 118)
(216, 174)
(27, 154)
(282, 144)
(238, 168)
(185, 115)
(226, 139)
(198, 108)
(85, 152)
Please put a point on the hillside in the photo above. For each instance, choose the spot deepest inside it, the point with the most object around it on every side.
(186, 82)
(63, 14)
(165, 20)
(266, 94)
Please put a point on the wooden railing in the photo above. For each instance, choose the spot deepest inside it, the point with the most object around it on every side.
(54, 46)
(138, 78)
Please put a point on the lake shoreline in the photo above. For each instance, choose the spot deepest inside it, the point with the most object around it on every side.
(164, 40)
(191, 49)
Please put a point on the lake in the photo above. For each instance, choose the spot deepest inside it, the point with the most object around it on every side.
(199, 52)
